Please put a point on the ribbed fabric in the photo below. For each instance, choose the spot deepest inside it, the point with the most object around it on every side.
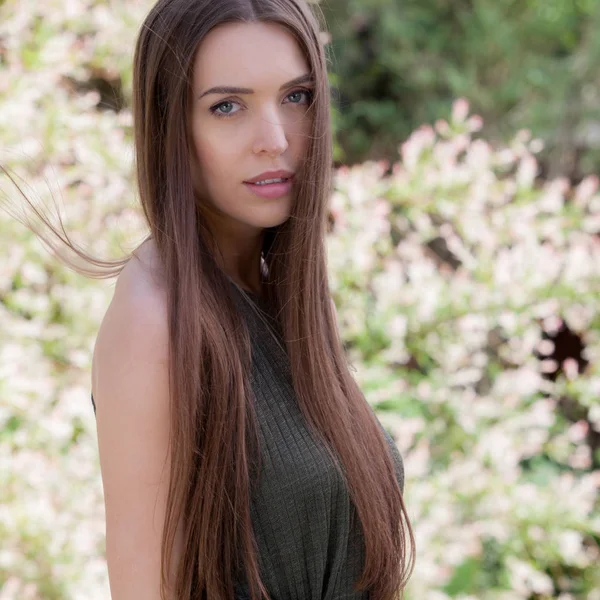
(308, 535)
(307, 530)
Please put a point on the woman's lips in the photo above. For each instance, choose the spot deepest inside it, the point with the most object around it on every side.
(271, 190)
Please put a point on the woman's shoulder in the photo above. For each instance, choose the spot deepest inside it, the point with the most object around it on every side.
(135, 325)
(143, 273)
(132, 394)
(140, 291)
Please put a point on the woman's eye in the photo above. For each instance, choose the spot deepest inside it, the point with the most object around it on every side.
(215, 108)
(297, 93)
(218, 112)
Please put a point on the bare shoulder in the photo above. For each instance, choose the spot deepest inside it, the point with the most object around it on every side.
(136, 319)
(146, 266)
(130, 374)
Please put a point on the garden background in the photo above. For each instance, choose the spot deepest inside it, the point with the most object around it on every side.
(464, 253)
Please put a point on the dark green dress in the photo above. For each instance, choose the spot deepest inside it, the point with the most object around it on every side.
(306, 528)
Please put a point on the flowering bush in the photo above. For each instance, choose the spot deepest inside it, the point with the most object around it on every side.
(452, 275)
(57, 132)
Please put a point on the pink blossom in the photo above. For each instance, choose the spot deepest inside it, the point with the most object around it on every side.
(460, 110)
(523, 135)
(586, 189)
(578, 431)
(571, 368)
(442, 127)
(411, 150)
(475, 123)
(527, 172)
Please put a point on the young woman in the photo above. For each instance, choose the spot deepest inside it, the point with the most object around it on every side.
(239, 458)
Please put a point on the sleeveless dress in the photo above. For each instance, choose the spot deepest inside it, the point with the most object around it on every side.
(306, 528)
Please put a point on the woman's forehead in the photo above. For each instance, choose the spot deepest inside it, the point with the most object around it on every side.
(250, 55)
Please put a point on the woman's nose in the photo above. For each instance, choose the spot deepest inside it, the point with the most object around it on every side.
(271, 136)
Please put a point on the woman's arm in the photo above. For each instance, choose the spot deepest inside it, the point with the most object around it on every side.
(130, 387)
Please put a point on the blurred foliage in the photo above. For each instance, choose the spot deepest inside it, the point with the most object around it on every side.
(459, 279)
(522, 64)
(467, 296)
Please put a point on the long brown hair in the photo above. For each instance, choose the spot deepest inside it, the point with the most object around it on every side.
(213, 429)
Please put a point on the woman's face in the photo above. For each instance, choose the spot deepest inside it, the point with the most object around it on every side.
(238, 135)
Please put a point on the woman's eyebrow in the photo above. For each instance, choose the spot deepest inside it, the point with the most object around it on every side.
(306, 78)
